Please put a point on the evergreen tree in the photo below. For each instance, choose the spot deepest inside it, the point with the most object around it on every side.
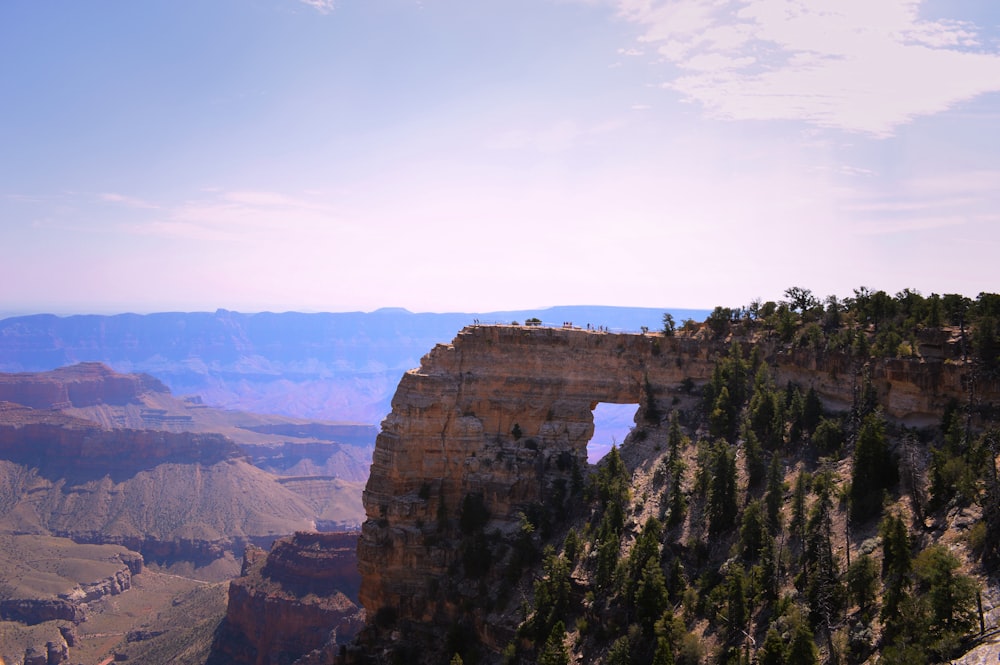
(774, 495)
(551, 594)
(676, 500)
(753, 530)
(756, 468)
(620, 652)
(764, 412)
(721, 418)
(646, 548)
(737, 611)
(812, 411)
(802, 649)
(722, 500)
(554, 652)
(828, 436)
(651, 599)
(862, 583)
(767, 569)
(675, 580)
(896, 565)
(873, 470)
(799, 495)
(663, 655)
(950, 596)
(823, 587)
(772, 652)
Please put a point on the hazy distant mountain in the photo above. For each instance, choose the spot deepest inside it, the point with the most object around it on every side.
(333, 366)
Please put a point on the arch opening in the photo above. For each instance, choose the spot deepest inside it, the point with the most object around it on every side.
(612, 423)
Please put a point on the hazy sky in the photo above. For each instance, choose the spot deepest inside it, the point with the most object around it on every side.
(457, 155)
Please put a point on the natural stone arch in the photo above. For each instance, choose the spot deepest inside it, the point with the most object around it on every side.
(451, 435)
(504, 413)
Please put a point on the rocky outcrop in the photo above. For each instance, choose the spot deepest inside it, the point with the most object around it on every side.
(54, 440)
(33, 611)
(293, 601)
(72, 605)
(81, 385)
(118, 583)
(494, 427)
(172, 496)
(54, 654)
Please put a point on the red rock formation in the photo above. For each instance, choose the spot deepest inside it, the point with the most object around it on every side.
(292, 601)
(85, 384)
(169, 495)
(498, 422)
(71, 605)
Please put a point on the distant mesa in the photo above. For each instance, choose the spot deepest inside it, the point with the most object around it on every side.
(81, 385)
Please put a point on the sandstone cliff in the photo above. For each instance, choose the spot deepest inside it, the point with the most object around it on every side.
(297, 599)
(494, 427)
(82, 385)
(169, 495)
(49, 585)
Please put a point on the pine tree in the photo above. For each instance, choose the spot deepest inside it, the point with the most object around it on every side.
(812, 411)
(772, 652)
(755, 466)
(651, 599)
(799, 494)
(774, 495)
(722, 500)
(663, 655)
(896, 565)
(873, 470)
(802, 650)
(862, 584)
(554, 652)
(620, 652)
(736, 602)
(753, 530)
(823, 588)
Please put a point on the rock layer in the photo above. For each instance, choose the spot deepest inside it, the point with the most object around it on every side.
(498, 422)
(293, 601)
(81, 385)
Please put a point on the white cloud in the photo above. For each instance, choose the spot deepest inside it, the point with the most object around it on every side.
(858, 65)
(130, 201)
(242, 215)
(921, 204)
(322, 6)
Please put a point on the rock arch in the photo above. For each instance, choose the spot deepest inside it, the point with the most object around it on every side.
(504, 412)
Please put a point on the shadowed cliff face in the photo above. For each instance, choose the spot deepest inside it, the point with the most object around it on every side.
(82, 385)
(494, 427)
(500, 419)
(297, 599)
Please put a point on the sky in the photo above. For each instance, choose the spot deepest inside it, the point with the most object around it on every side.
(447, 155)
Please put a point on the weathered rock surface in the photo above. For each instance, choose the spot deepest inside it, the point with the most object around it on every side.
(71, 605)
(183, 495)
(81, 385)
(295, 600)
(497, 423)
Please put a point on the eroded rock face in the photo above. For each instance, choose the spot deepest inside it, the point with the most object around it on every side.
(81, 385)
(295, 600)
(72, 605)
(495, 425)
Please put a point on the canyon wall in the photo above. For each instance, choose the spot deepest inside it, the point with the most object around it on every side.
(297, 599)
(81, 385)
(496, 424)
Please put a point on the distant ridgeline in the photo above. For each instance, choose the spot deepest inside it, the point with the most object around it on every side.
(333, 366)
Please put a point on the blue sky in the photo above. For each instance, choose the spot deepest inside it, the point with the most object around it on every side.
(474, 156)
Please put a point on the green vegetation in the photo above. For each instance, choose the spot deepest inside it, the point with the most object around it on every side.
(773, 528)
